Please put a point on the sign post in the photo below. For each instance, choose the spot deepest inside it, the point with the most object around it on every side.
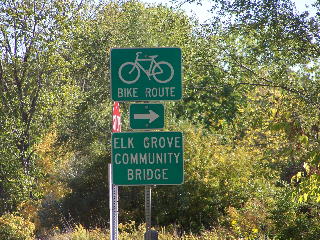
(149, 234)
(146, 158)
(113, 206)
(148, 208)
(113, 189)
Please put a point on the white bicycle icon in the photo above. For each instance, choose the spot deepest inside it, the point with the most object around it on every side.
(162, 71)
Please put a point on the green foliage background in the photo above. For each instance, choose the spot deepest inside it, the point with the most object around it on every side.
(250, 118)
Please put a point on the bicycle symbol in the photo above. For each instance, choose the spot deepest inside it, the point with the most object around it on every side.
(162, 71)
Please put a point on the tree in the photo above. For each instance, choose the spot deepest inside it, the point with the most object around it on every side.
(115, 24)
(31, 71)
(268, 54)
(268, 42)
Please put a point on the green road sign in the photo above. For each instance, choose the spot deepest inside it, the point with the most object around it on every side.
(143, 158)
(146, 74)
(146, 116)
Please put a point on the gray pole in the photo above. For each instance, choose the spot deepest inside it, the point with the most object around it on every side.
(148, 211)
(148, 206)
(149, 234)
(113, 206)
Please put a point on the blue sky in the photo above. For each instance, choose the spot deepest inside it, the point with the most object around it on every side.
(201, 11)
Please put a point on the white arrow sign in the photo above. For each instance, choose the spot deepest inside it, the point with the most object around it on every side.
(151, 116)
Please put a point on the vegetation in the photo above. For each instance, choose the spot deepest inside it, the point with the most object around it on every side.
(250, 117)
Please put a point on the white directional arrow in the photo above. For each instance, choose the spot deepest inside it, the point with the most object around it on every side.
(151, 116)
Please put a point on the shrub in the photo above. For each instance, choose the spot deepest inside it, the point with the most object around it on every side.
(14, 227)
(217, 175)
(131, 231)
(80, 233)
(251, 221)
(294, 220)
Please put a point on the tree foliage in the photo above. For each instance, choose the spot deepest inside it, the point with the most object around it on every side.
(32, 84)
(250, 115)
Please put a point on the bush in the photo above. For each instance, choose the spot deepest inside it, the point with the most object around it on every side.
(251, 221)
(132, 231)
(217, 176)
(295, 220)
(13, 227)
(80, 233)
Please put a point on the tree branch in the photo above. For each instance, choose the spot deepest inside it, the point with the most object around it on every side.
(270, 83)
(34, 102)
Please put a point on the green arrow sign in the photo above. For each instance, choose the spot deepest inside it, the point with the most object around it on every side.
(146, 116)
(142, 158)
(146, 74)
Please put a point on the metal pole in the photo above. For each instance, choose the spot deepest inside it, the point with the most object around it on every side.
(148, 211)
(113, 206)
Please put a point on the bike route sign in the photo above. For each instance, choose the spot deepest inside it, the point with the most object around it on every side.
(146, 74)
(143, 158)
(146, 116)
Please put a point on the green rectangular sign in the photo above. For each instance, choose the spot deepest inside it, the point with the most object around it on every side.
(146, 116)
(146, 74)
(147, 158)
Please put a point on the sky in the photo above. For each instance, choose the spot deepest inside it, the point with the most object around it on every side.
(201, 11)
